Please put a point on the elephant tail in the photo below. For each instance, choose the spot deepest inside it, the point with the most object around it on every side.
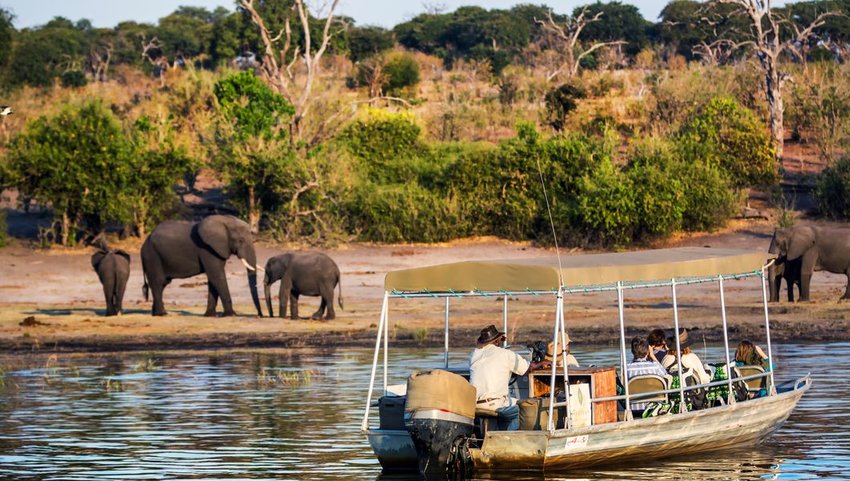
(339, 298)
(145, 286)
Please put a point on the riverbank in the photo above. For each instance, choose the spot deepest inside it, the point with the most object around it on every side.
(51, 301)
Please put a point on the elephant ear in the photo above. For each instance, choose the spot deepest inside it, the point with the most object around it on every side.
(97, 257)
(801, 241)
(123, 254)
(213, 231)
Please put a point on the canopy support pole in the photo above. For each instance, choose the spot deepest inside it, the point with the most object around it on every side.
(386, 340)
(772, 389)
(730, 395)
(446, 336)
(621, 311)
(505, 322)
(566, 366)
(683, 407)
(365, 426)
(551, 424)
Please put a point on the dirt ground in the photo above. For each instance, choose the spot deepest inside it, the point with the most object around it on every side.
(51, 300)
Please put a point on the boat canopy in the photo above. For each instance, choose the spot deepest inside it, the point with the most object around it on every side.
(541, 273)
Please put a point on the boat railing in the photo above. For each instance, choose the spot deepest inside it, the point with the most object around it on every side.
(630, 397)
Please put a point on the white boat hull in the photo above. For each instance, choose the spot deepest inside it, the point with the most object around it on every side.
(740, 424)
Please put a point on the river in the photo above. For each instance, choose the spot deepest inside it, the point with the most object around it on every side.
(295, 415)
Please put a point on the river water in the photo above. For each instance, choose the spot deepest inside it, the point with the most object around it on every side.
(295, 415)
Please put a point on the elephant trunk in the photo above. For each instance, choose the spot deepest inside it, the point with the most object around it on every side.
(774, 281)
(249, 258)
(268, 292)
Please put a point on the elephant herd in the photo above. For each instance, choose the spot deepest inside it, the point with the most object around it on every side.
(801, 250)
(177, 250)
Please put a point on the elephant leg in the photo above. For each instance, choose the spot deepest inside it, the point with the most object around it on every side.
(108, 294)
(218, 281)
(293, 300)
(120, 288)
(805, 285)
(283, 297)
(320, 311)
(212, 300)
(790, 284)
(847, 288)
(156, 292)
(328, 300)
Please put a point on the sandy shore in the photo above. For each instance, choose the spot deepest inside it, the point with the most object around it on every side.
(51, 300)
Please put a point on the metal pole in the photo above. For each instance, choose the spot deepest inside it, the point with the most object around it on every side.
(730, 397)
(505, 322)
(365, 426)
(682, 405)
(566, 366)
(620, 309)
(386, 340)
(446, 335)
(554, 350)
(767, 331)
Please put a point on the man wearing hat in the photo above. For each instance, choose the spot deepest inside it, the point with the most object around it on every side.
(490, 369)
(689, 359)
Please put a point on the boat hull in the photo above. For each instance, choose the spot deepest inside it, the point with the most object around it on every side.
(737, 425)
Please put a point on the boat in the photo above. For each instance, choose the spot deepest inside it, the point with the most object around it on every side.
(435, 430)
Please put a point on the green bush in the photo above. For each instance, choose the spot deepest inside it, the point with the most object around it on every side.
(401, 72)
(74, 78)
(560, 102)
(607, 206)
(833, 190)
(730, 136)
(403, 213)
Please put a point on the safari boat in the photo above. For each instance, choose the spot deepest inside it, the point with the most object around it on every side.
(432, 424)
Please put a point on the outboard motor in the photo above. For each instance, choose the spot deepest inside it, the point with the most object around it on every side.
(439, 415)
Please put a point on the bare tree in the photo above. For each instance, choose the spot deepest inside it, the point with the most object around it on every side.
(568, 36)
(767, 42)
(159, 62)
(282, 62)
(99, 60)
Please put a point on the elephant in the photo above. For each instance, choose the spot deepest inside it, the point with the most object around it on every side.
(303, 273)
(113, 269)
(814, 248)
(178, 249)
(781, 269)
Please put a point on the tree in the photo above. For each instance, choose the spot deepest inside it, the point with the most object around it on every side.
(76, 162)
(7, 34)
(254, 150)
(768, 43)
(283, 62)
(368, 41)
(621, 22)
(42, 54)
(567, 35)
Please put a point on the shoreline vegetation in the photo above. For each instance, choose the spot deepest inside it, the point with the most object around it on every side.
(429, 139)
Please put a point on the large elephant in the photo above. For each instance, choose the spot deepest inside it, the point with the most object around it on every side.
(303, 273)
(113, 270)
(177, 250)
(814, 248)
(781, 269)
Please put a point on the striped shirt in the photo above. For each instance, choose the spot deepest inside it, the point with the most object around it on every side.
(642, 368)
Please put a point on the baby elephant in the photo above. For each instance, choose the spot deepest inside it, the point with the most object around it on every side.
(303, 273)
(113, 269)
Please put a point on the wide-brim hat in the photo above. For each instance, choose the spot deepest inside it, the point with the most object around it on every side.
(489, 334)
(684, 340)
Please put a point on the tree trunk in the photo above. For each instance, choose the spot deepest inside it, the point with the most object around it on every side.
(775, 107)
(66, 228)
(254, 211)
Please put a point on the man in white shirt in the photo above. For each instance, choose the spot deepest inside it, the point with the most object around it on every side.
(490, 369)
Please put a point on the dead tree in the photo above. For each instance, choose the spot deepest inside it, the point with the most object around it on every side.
(283, 61)
(99, 60)
(568, 36)
(160, 62)
(768, 45)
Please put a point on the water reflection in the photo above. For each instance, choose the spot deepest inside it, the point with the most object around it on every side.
(296, 415)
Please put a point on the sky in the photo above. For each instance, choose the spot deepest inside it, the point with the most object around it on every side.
(385, 13)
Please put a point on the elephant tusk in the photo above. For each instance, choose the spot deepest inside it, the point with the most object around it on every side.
(252, 268)
(772, 261)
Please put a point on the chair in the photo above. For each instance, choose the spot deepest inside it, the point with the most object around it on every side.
(486, 419)
(754, 385)
(646, 384)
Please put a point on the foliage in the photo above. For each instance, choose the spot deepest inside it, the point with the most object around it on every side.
(254, 108)
(74, 78)
(833, 190)
(725, 134)
(366, 42)
(821, 110)
(618, 22)
(401, 71)
(41, 55)
(7, 34)
(4, 233)
(386, 144)
(560, 102)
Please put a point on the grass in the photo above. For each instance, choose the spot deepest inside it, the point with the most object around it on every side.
(286, 378)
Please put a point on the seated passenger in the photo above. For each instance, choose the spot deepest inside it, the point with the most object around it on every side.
(642, 364)
(689, 359)
(749, 354)
(657, 341)
(490, 369)
(550, 350)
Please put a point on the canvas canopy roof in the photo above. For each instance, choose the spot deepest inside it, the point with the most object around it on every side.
(541, 273)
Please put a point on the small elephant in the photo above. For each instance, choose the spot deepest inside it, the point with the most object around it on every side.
(303, 273)
(781, 269)
(113, 269)
(814, 249)
(177, 250)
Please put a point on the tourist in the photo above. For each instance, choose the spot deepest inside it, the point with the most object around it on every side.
(689, 359)
(642, 364)
(550, 350)
(657, 341)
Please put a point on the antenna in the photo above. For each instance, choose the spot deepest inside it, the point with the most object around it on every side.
(551, 222)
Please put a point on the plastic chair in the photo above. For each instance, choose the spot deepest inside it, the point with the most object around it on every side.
(646, 384)
(755, 385)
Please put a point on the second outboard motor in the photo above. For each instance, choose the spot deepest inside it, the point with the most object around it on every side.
(439, 415)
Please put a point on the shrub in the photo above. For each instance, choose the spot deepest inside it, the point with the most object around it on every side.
(833, 190)
(401, 71)
(385, 143)
(725, 134)
(560, 102)
(606, 210)
(74, 78)
(709, 198)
